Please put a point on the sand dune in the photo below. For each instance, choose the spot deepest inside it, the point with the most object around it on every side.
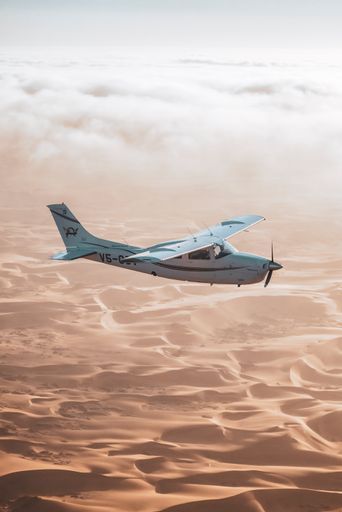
(328, 425)
(120, 392)
(275, 500)
(35, 504)
(57, 482)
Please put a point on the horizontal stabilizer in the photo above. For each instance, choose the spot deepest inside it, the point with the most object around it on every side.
(73, 253)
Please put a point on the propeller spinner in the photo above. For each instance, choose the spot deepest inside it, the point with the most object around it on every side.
(272, 265)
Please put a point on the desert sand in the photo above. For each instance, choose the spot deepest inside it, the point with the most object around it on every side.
(124, 392)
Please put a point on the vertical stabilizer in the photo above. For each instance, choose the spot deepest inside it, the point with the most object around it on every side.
(71, 230)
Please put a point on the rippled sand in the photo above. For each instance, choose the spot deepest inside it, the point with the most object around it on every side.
(122, 392)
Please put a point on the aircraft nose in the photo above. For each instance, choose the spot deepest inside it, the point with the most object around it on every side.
(273, 265)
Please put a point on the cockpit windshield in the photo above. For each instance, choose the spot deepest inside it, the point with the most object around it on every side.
(224, 249)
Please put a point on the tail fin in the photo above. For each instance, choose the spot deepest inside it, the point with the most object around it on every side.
(71, 230)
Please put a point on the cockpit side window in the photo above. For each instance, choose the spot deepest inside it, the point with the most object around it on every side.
(221, 251)
(201, 254)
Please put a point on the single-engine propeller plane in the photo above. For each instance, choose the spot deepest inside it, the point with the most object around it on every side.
(204, 257)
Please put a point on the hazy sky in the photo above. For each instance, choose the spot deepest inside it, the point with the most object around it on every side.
(237, 23)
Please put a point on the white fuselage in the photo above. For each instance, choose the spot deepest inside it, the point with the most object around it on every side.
(204, 257)
(236, 268)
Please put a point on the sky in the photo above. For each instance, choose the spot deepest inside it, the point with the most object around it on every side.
(195, 23)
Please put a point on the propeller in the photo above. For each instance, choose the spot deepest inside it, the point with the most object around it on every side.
(272, 265)
(268, 278)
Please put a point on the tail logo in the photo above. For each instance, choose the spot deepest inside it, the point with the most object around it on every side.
(70, 231)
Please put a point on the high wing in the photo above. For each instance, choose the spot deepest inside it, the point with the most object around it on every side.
(228, 228)
(201, 240)
(164, 252)
(73, 253)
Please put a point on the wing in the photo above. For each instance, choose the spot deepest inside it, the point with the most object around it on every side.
(202, 240)
(228, 228)
(164, 252)
(73, 253)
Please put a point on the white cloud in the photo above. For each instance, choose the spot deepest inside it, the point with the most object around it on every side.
(108, 116)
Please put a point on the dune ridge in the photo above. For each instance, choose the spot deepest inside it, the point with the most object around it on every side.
(120, 392)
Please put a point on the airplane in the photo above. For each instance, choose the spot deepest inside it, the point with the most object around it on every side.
(204, 257)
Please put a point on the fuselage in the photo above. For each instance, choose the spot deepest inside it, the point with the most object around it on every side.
(205, 257)
(235, 268)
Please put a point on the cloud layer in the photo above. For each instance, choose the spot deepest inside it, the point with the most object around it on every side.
(247, 123)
